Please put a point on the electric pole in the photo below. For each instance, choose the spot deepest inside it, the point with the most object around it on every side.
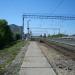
(28, 29)
(23, 28)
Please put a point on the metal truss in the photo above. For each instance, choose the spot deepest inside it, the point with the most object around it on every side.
(38, 16)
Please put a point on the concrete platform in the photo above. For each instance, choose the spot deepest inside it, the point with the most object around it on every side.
(35, 63)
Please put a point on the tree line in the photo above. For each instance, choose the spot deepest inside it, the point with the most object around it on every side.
(6, 35)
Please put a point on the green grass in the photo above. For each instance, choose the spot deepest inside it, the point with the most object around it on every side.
(7, 55)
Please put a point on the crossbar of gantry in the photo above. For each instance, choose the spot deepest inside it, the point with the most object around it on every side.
(44, 28)
(38, 28)
(36, 16)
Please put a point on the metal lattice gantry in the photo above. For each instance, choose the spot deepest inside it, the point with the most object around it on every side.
(39, 16)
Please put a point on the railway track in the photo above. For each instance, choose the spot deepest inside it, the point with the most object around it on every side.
(67, 50)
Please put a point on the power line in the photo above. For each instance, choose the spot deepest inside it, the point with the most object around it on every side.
(58, 5)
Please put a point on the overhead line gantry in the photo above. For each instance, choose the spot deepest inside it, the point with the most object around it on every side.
(39, 16)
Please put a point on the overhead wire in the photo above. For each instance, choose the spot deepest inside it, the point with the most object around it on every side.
(58, 5)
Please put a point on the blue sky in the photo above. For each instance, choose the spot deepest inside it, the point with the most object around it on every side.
(12, 11)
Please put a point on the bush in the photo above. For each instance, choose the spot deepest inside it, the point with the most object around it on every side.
(18, 36)
(6, 36)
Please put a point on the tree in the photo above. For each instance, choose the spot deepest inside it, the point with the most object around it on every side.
(6, 36)
(49, 35)
(18, 36)
(41, 35)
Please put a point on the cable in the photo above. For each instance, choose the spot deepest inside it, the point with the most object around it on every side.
(59, 4)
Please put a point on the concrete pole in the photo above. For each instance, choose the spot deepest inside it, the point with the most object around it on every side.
(23, 27)
(28, 29)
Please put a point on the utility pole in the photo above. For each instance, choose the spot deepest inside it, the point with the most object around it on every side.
(23, 28)
(28, 29)
(59, 30)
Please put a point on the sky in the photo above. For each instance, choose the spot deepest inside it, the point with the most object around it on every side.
(12, 11)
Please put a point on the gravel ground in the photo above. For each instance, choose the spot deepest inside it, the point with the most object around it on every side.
(61, 64)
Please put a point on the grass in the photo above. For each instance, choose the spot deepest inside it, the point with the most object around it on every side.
(7, 55)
